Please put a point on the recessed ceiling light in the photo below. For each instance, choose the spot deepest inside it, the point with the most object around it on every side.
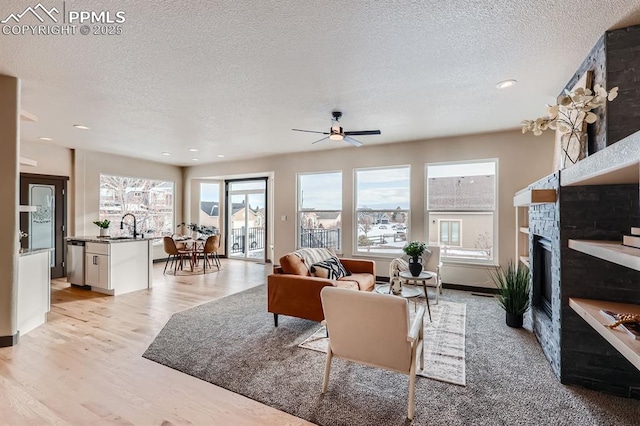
(45, 139)
(166, 153)
(81, 127)
(220, 156)
(193, 149)
(195, 159)
(506, 84)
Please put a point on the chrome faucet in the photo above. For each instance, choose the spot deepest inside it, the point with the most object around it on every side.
(135, 231)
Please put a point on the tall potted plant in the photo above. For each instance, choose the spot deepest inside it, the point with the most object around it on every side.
(513, 291)
(415, 249)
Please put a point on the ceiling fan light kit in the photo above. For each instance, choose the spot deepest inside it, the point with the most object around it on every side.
(337, 133)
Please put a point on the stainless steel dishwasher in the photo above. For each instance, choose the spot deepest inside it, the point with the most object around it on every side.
(75, 258)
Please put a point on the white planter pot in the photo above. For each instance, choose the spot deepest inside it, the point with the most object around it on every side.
(104, 232)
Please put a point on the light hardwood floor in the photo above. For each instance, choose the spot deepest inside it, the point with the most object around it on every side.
(85, 365)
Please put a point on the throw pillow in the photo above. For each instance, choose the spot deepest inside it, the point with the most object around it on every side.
(426, 255)
(313, 255)
(292, 264)
(330, 268)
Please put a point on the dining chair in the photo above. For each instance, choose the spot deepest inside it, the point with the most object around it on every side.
(210, 252)
(176, 256)
(373, 329)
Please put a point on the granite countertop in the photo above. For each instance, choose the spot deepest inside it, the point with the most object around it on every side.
(110, 240)
(28, 252)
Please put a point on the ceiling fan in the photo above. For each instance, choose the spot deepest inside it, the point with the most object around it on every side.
(337, 133)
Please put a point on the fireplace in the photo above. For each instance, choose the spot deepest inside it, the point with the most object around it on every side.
(542, 275)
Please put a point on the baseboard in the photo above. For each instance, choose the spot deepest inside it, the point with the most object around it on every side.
(471, 288)
(461, 287)
(6, 341)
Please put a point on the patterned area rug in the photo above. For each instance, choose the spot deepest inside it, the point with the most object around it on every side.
(444, 350)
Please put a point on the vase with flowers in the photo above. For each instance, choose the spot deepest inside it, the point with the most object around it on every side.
(415, 249)
(571, 114)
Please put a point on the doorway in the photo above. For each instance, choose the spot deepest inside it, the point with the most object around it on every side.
(45, 228)
(246, 218)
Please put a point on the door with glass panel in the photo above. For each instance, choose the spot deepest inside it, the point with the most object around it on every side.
(246, 217)
(45, 228)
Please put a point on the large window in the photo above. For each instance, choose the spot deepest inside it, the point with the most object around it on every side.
(209, 214)
(461, 204)
(382, 210)
(320, 210)
(150, 201)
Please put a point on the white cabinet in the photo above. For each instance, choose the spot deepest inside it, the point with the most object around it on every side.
(97, 270)
(97, 265)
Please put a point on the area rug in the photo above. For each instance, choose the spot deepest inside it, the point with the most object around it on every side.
(232, 343)
(444, 353)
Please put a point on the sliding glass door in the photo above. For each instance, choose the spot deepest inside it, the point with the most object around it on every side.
(246, 215)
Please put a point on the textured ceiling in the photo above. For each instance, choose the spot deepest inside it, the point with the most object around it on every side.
(233, 77)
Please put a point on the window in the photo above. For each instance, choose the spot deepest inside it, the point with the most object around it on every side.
(151, 201)
(320, 210)
(382, 210)
(209, 214)
(461, 203)
(449, 232)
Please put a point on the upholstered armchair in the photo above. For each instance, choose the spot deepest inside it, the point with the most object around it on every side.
(430, 263)
(373, 329)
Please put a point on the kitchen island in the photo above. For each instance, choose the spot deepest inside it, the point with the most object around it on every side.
(113, 266)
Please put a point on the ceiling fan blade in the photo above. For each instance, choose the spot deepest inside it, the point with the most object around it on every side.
(362, 133)
(309, 131)
(352, 141)
(320, 140)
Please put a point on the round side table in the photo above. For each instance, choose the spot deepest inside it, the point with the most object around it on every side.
(422, 278)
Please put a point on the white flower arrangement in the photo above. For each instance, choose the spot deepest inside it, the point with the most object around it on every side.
(569, 116)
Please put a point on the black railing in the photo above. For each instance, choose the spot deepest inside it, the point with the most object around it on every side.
(319, 237)
(256, 239)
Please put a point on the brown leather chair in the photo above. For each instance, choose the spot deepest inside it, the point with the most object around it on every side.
(210, 252)
(176, 256)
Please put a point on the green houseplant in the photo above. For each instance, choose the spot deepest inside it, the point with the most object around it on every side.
(104, 226)
(514, 290)
(415, 249)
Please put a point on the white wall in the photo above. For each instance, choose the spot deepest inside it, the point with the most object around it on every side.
(522, 159)
(52, 159)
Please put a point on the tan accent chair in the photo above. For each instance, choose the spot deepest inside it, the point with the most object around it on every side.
(431, 264)
(176, 256)
(373, 329)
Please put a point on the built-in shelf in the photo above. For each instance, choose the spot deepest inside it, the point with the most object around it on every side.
(524, 229)
(27, 209)
(527, 197)
(619, 163)
(525, 260)
(589, 310)
(24, 161)
(612, 251)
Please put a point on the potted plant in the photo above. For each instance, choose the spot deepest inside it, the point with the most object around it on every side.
(513, 291)
(104, 226)
(415, 249)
